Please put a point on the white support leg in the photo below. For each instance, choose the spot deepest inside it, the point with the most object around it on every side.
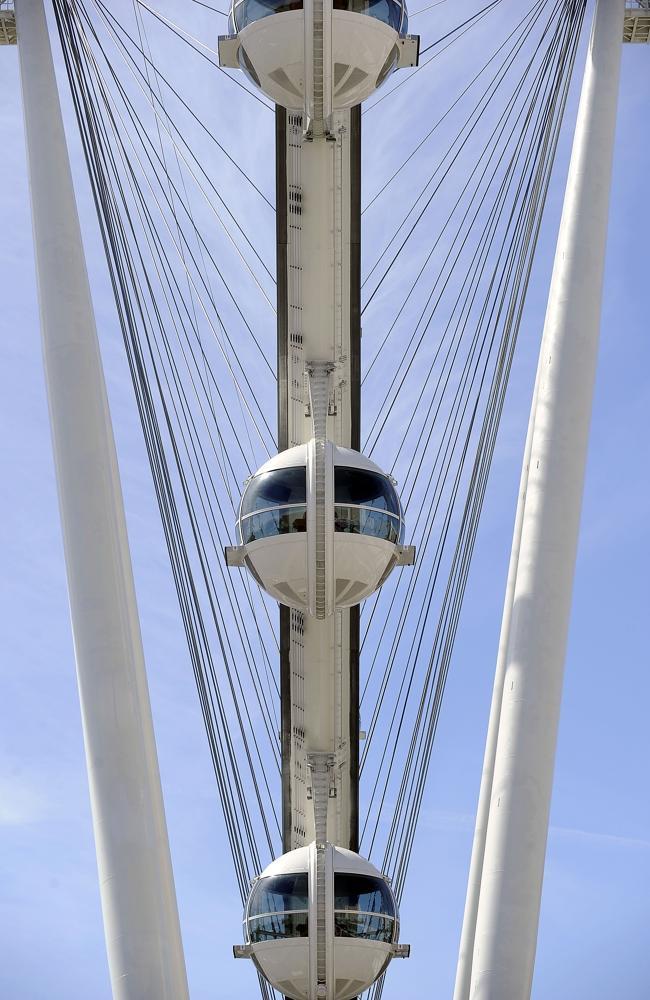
(520, 794)
(465, 953)
(137, 890)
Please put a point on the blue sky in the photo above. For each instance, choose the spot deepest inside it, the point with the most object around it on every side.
(596, 903)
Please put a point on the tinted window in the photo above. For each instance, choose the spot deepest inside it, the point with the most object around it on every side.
(279, 893)
(276, 927)
(282, 521)
(388, 11)
(273, 489)
(361, 521)
(362, 893)
(253, 10)
(364, 925)
(368, 489)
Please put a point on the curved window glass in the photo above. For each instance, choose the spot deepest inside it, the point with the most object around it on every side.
(391, 12)
(364, 925)
(362, 892)
(278, 908)
(276, 927)
(266, 524)
(388, 11)
(279, 893)
(366, 504)
(363, 907)
(364, 521)
(281, 487)
(365, 489)
(246, 11)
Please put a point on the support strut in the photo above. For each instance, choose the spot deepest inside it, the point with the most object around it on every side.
(501, 918)
(141, 925)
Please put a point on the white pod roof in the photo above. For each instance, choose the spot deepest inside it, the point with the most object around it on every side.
(298, 456)
(342, 861)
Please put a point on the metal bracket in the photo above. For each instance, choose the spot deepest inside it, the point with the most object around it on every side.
(235, 555)
(321, 766)
(408, 51)
(318, 374)
(228, 48)
(401, 951)
(241, 951)
(406, 555)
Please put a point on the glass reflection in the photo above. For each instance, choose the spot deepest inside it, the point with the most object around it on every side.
(279, 893)
(275, 927)
(362, 892)
(274, 489)
(388, 11)
(391, 12)
(364, 925)
(281, 521)
(368, 489)
(361, 521)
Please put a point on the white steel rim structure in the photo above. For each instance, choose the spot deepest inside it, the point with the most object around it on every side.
(141, 920)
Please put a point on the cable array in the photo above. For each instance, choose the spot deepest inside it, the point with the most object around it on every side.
(202, 410)
(449, 351)
(444, 299)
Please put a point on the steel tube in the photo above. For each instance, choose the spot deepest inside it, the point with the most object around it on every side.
(465, 954)
(137, 890)
(513, 865)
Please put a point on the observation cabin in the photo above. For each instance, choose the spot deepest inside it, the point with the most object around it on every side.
(362, 42)
(315, 543)
(357, 910)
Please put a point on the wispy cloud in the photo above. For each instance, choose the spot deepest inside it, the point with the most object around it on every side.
(599, 838)
(446, 821)
(21, 803)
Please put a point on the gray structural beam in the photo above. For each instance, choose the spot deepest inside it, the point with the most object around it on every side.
(137, 890)
(502, 912)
